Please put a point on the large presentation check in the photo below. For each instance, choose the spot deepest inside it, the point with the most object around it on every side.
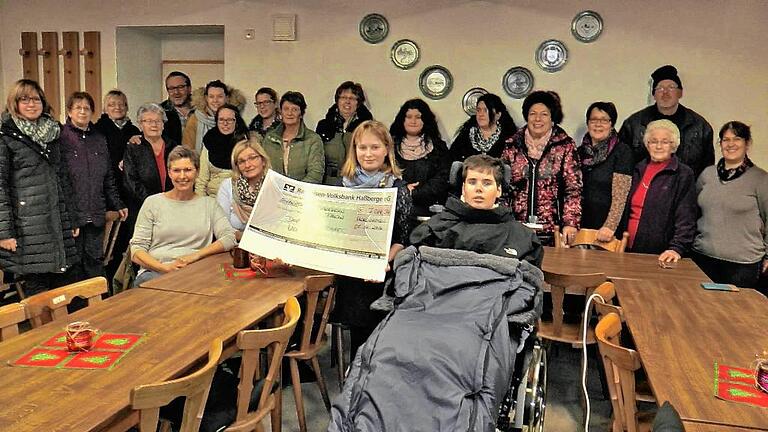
(332, 229)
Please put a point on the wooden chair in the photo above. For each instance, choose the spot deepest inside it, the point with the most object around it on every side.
(149, 398)
(8, 286)
(588, 237)
(312, 341)
(51, 305)
(605, 306)
(559, 284)
(10, 317)
(111, 230)
(620, 365)
(251, 411)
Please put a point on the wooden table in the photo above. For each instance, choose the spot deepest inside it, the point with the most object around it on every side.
(618, 265)
(179, 329)
(205, 278)
(706, 427)
(680, 330)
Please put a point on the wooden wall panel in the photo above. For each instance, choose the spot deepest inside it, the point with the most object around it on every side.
(92, 55)
(28, 51)
(50, 53)
(70, 54)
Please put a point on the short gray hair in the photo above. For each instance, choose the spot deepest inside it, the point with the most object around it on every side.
(150, 107)
(666, 125)
(180, 152)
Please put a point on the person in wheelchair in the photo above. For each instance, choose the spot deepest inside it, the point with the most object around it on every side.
(475, 221)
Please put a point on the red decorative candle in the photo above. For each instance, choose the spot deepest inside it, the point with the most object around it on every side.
(79, 336)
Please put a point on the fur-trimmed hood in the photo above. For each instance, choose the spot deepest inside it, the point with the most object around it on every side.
(236, 98)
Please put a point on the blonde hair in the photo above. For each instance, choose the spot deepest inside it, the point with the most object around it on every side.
(114, 94)
(381, 132)
(253, 143)
(21, 88)
(666, 125)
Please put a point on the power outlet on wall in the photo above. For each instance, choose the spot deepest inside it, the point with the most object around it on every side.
(250, 34)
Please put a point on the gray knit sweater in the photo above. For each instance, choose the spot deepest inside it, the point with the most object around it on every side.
(734, 216)
(168, 229)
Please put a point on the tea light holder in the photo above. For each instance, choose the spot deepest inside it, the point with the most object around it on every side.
(761, 371)
(79, 336)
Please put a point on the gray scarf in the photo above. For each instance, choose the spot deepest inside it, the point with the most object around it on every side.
(204, 124)
(42, 131)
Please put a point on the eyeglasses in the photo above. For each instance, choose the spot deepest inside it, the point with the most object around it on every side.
(116, 105)
(291, 110)
(152, 122)
(226, 120)
(81, 108)
(252, 158)
(599, 121)
(30, 100)
(667, 89)
(264, 103)
(665, 143)
(348, 98)
(176, 88)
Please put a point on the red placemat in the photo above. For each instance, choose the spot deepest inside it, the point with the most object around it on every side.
(231, 273)
(106, 351)
(738, 385)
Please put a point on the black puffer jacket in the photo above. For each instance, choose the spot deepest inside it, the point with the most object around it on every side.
(142, 178)
(36, 204)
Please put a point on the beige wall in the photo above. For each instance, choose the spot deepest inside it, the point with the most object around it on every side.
(719, 47)
(142, 53)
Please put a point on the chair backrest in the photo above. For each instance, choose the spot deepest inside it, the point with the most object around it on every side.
(605, 306)
(620, 366)
(588, 238)
(148, 399)
(251, 342)
(51, 305)
(111, 229)
(311, 334)
(560, 284)
(10, 317)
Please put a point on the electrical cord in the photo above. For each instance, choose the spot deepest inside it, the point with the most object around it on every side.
(586, 320)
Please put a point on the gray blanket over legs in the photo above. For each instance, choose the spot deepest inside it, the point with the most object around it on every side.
(443, 359)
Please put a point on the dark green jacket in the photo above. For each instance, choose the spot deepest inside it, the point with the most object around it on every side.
(306, 158)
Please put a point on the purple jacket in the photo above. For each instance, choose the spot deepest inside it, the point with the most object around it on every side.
(87, 160)
(668, 220)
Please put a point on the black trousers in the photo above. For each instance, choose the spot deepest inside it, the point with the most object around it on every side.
(90, 247)
(721, 271)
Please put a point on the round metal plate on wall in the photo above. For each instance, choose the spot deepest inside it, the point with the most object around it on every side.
(551, 55)
(405, 54)
(469, 101)
(435, 82)
(518, 82)
(374, 28)
(587, 26)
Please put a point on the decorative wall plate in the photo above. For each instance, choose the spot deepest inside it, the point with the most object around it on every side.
(587, 26)
(518, 82)
(435, 82)
(374, 28)
(405, 53)
(469, 101)
(551, 55)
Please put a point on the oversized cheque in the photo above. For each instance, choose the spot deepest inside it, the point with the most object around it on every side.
(327, 228)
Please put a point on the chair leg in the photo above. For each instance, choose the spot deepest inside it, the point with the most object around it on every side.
(296, 383)
(340, 367)
(276, 416)
(321, 382)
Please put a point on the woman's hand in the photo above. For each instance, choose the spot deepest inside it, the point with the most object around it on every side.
(412, 186)
(569, 233)
(605, 234)
(765, 265)
(75, 232)
(8, 244)
(188, 259)
(669, 256)
(136, 139)
(123, 212)
(173, 266)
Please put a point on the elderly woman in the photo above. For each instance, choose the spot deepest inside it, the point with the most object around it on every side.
(661, 215)
(207, 101)
(215, 160)
(237, 195)
(422, 155)
(731, 243)
(177, 227)
(606, 166)
(295, 151)
(37, 207)
(117, 128)
(267, 117)
(84, 150)
(347, 111)
(546, 172)
(487, 132)
(144, 163)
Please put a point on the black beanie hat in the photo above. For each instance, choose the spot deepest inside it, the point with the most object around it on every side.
(667, 72)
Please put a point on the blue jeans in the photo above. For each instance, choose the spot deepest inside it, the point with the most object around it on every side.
(145, 276)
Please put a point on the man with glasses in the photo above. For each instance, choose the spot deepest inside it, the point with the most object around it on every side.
(178, 106)
(696, 139)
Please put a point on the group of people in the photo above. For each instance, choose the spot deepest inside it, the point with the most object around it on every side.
(186, 179)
